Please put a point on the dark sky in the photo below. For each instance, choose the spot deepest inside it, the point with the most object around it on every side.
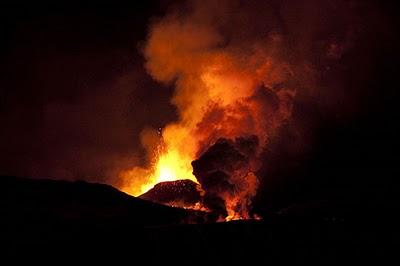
(74, 96)
(74, 93)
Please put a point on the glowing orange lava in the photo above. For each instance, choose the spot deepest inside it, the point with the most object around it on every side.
(168, 164)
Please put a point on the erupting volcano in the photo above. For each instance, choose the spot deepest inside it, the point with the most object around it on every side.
(219, 132)
(232, 97)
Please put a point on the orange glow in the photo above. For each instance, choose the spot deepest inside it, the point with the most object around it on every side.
(172, 166)
(220, 92)
(168, 165)
(237, 205)
(216, 102)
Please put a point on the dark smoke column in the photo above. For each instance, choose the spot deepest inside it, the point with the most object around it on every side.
(226, 173)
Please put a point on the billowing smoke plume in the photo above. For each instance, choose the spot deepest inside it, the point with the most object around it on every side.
(237, 67)
(226, 173)
(232, 80)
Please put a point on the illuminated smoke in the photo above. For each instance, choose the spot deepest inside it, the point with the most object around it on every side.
(225, 88)
(236, 74)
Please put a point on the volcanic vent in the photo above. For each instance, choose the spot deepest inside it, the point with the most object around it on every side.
(227, 182)
(183, 193)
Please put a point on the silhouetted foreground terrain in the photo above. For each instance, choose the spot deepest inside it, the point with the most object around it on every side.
(58, 221)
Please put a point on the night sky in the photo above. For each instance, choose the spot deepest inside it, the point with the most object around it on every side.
(74, 97)
(74, 93)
